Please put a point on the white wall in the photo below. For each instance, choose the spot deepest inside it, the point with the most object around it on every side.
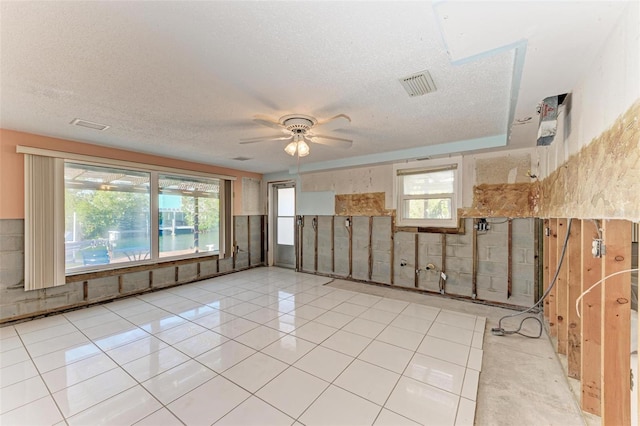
(609, 87)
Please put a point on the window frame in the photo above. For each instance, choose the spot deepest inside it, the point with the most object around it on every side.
(226, 205)
(424, 167)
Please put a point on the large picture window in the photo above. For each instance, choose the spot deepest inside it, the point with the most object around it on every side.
(116, 215)
(428, 194)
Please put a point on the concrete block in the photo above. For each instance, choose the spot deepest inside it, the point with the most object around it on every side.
(522, 240)
(325, 255)
(465, 251)
(341, 247)
(492, 289)
(12, 243)
(225, 265)
(187, 272)
(11, 227)
(135, 281)
(208, 267)
(255, 239)
(308, 245)
(381, 272)
(30, 306)
(496, 269)
(459, 264)
(8, 311)
(498, 226)
(12, 259)
(522, 226)
(241, 232)
(242, 260)
(163, 277)
(11, 277)
(102, 288)
(498, 253)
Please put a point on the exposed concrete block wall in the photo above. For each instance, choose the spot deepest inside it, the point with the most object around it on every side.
(340, 247)
(241, 237)
(414, 251)
(325, 247)
(382, 241)
(404, 254)
(308, 244)
(255, 240)
(17, 303)
(360, 251)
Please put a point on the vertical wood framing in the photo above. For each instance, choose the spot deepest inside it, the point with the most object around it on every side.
(616, 324)
(590, 317)
(443, 244)
(545, 262)
(574, 279)
(333, 249)
(249, 241)
(392, 255)
(562, 291)
(509, 258)
(315, 243)
(553, 265)
(537, 266)
(474, 255)
(350, 246)
(416, 260)
(299, 240)
(150, 279)
(370, 247)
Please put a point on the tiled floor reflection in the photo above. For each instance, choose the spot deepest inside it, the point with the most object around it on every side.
(267, 347)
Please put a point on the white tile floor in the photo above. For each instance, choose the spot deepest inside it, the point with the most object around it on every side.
(266, 347)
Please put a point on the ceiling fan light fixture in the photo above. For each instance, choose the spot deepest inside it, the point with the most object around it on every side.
(291, 148)
(303, 149)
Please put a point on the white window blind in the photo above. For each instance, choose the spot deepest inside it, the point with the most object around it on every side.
(44, 222)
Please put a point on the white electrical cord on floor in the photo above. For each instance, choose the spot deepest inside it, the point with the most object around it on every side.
(599, 282)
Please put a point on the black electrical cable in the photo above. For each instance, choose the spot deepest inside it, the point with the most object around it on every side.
(500, 331)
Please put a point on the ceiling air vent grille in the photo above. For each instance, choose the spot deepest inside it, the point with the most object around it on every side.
(418, 84)
(89, 124)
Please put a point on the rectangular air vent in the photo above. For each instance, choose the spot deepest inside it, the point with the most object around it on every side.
(418, 84)
(241, 158)
(89, 124)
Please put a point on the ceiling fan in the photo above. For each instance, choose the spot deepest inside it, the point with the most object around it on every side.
(300, 130)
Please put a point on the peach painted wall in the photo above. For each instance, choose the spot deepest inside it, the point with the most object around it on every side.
(12, 167)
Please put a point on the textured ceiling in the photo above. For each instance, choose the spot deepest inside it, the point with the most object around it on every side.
(184, 79)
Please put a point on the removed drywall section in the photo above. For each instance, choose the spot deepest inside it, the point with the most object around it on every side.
(603, 179)
(368, 204)
(16, 303)
(504, 200)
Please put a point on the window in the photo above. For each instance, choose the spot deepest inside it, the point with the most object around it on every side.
(427, 193)
(107, 215)
(117, 215)
(188, 215)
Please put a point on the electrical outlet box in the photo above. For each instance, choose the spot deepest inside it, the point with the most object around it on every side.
(597, 247)
(482, 225)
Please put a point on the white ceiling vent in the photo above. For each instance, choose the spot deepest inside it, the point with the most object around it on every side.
(418, 84)
(89, 124)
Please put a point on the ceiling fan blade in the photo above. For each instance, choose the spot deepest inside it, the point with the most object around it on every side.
(266, 121)
(334, 123)
(266, 139)
(330, 141)
(269, 137)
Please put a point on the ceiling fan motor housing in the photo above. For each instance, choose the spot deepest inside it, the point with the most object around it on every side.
(298, 124)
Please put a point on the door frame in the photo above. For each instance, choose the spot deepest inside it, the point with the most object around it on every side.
(271, 206)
